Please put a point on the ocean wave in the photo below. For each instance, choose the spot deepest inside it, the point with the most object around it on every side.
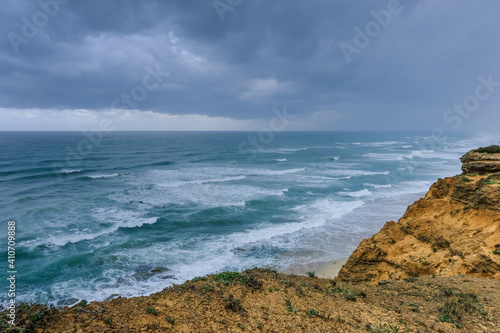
(284, 150)
(68, 171)
(349, 173)
(377, 186)
(103, 176)
(208, 195)
(357, 194)
(200, 181)
(330, 208)
(264, 172)
(402, 156)
(118, 218)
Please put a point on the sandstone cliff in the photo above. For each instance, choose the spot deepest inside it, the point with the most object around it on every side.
(454, 229)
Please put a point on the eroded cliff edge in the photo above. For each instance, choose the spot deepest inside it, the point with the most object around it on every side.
(454, 229)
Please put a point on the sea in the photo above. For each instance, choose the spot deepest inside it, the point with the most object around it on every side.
(130, 213)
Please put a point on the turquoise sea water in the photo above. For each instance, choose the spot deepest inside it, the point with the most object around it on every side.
(132, 213)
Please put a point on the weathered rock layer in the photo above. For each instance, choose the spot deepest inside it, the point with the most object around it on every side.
(454, 229)
(480, 162)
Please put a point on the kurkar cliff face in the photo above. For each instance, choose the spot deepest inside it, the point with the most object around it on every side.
(454, 229)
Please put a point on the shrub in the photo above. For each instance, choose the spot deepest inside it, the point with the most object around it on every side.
(233, 304)
(199, 278)
(493, 149)
(410, 279)
(152, 310)
(311, 274)
(246, 279)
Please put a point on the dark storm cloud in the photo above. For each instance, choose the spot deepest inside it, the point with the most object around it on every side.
(426, 56)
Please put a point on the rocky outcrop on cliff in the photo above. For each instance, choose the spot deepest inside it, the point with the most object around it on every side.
(454, 229)
(482, 160)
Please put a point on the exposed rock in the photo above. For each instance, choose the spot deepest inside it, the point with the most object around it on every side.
(480, 162)
(452, 230)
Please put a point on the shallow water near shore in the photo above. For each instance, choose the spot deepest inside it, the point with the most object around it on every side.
(132, 213)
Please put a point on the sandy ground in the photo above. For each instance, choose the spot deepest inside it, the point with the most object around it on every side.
(323, 270)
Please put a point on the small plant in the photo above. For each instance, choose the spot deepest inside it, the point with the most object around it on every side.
(454, 307)
(395, 329)
(434, 249)
(227, 277)
(410, 279)
(495, 252)
(152, 311)
(233, 303)
(311, 274)
(312, 312)
(290, 307)
(171, 320)
(247, 279)
(37, 316)
(108, 321)
(199, 278)
(83, 303)
(299, 291)
(464, 179)
(241, 326)
(259, 326)
(350, 295)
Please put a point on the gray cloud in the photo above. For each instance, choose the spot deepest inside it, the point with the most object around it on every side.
(261, 54)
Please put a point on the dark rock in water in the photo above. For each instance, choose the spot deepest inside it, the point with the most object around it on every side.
(141, 201)
(111, 297)
(164, 277)
(67, 302)
(159, 269)
(145, 272)
(241, 250)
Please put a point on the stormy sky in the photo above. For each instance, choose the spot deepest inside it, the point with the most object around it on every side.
(232, 64)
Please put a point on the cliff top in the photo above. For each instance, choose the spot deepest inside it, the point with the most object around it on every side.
(482, 160)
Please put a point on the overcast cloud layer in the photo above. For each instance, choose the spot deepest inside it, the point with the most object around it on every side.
(225, 64)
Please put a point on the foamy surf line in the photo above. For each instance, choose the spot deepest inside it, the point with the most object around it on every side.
(103, 176)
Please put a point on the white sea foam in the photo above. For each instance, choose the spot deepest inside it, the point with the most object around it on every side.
(68, 171)
(377, 186)
(381, 143)
(401, 156)
(117, 218)
(103, 176)
(281, 160)
(283, 150)
(330, 207)
(205, 195)
(348, 173)
(274, 172)
(357, 194)
(200, 181)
